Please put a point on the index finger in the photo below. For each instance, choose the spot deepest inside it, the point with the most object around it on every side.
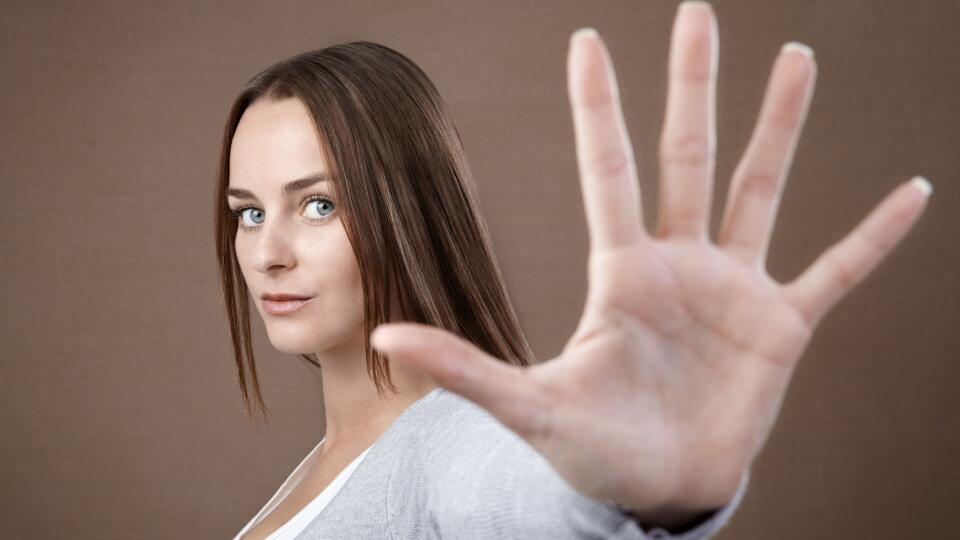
(608, 172)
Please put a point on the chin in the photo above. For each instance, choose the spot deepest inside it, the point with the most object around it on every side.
(305, 340)
(308, 338)
(291, 348)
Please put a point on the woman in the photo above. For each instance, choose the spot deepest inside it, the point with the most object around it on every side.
(345, 203)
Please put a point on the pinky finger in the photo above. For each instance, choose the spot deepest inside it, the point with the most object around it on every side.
(845, 264)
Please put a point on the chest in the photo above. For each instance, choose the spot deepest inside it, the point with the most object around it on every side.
(316, 478)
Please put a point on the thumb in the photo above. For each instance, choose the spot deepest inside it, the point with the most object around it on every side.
(454, 363)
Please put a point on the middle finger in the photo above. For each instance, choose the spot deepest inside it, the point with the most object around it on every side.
(688, 140)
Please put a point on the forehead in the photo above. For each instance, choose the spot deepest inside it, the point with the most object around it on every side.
(274, 141)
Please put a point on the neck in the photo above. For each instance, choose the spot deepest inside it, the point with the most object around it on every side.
(354, 411)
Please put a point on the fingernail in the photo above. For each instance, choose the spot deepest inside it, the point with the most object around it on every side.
(701, 4)
(797, 46)
(923, 185)
(585, 31)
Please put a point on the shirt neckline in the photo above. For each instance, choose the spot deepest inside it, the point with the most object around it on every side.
(264, 511)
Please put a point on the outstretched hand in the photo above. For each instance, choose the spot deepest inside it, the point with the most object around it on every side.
(671, 383)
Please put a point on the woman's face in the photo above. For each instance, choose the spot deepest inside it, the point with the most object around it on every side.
(292, 242)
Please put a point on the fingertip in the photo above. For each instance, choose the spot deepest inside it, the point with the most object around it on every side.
(585, 35)
(922, 184)
(382, 337)
(590, 73)
(802, 48)
(586, 31)
(696, 4)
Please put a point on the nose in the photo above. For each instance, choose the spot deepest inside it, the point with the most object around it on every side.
(273, 249)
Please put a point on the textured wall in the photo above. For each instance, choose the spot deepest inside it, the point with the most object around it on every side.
(120, 413)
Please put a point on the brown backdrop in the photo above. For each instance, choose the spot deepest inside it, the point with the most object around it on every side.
(121, 417)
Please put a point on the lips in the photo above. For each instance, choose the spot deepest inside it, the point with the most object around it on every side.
(282, 297)
(285, 307)
(283, 303)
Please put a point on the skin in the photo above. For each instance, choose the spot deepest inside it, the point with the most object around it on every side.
(670, 385)
(300, 247)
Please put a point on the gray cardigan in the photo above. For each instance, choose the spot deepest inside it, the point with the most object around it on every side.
(446, 468)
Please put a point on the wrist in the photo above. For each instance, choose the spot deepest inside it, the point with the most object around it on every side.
(671, 519)
(687, 510)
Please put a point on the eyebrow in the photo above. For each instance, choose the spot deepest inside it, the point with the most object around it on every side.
(289, 187)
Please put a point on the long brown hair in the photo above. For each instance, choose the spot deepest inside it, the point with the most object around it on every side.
(407, 200)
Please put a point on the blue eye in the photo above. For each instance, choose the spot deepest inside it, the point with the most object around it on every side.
(239, 212)
(325, 209)
(325, 205)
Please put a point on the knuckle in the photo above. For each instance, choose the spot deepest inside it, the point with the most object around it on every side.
(609, 163)
(876, 247)
(762, 185)
(687, 150)
(783, 121)
(839, 271)
(593, 103)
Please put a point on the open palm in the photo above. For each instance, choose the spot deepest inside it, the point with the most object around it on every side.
(673, 379)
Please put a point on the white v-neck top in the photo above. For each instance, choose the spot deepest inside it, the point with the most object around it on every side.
(297, 523)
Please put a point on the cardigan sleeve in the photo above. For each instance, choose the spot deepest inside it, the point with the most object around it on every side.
(495, 485)
(710, 523)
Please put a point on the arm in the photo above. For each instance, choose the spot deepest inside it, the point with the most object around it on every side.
(686, 345)
(494, 485)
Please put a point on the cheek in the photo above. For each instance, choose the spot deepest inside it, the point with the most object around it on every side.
(243, 259)
(337, 278)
